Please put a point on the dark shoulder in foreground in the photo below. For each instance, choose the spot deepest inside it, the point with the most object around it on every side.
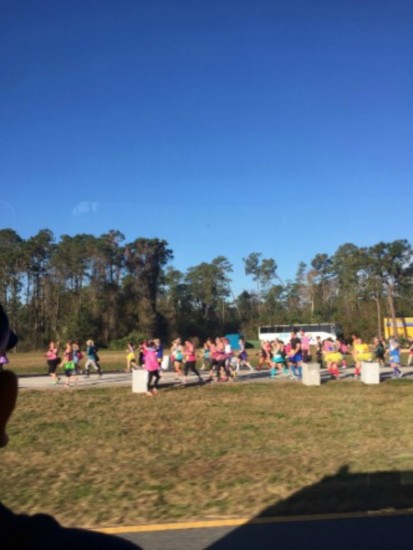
(43, 532)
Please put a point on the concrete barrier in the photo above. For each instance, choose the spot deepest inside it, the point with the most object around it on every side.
(311, 374)
(166, 362)
(139, 381)
(370, 373)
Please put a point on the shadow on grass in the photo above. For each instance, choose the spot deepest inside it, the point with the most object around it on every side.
(345, 510)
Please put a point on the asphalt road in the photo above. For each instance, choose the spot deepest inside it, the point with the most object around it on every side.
(380, 532)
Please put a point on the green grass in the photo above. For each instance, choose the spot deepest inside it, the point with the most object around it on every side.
(107, 456)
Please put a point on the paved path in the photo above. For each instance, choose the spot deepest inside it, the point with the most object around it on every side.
(42, 382)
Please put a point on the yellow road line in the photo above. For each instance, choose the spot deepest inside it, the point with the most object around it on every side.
(243, 521)
(174, 526)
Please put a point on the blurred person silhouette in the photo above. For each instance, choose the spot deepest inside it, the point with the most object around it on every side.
(40, 531)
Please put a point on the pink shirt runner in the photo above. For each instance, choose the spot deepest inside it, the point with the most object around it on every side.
(151, 362)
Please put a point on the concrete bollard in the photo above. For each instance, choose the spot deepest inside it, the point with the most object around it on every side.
(370, 373)
(311, 374)
(166, 361)
(139, 381)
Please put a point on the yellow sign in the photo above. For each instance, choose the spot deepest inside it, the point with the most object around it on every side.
(404, 327)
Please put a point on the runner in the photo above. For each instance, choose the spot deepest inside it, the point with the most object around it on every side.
(394, 357)
(219, 362)
(343, 349)
(152, 366)
(142, 347)
(319, 351)
(130, 358)
(361, 352)
(53, 361)
(69, 365)
(92, 359)
(305, 346)
(242, 359)
(332, 357)
(264, 354)
(206, 355)
(190, 361)
(230, 359)
(294, 356)
(177, 357)
(77, 357)
(159, 351)
(278, 359)
(379, 351)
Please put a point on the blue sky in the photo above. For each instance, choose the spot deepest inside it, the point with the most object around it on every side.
(222, 126)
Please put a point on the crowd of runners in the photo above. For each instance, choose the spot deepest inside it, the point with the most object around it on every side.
(72, 361)
(335, 354)
(288, 358)
(223, 363)
(218, 358)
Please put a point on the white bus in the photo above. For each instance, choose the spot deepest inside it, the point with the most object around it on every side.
(283, 332)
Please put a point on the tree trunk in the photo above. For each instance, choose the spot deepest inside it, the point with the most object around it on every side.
(379, 319)
(392, 310)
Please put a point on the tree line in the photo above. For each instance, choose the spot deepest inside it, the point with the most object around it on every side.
(101, 287)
